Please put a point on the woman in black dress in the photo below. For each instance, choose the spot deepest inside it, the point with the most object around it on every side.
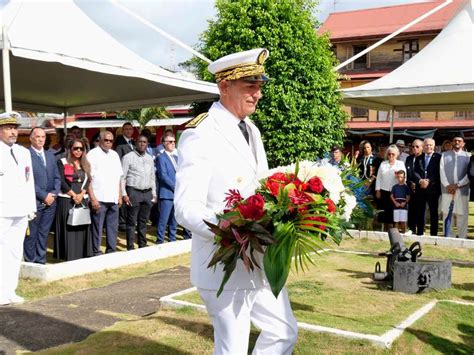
(72, 242)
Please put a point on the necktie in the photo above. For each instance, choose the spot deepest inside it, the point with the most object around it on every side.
(13, 155)
(130, 143)
(243, 129)
(41, 158)
(427, 160)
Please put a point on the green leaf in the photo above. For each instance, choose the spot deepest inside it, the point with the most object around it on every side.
(277, 258)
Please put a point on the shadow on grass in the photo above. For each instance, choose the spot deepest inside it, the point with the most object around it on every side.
(446, 346)
(295, 306)
(204, 330)
(468, 286)
(356, 274)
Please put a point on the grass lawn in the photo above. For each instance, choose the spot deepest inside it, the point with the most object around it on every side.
(34, 289)
(447, 329)
(336, 292)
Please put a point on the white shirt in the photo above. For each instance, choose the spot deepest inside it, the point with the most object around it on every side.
(461, 202)
(386, 177)
(106, 173)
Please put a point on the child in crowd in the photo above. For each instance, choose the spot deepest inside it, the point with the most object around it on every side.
(400, 197)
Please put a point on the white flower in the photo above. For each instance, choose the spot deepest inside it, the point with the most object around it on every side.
(350, 204)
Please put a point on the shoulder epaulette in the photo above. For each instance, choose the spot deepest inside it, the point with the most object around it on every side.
(197, 120)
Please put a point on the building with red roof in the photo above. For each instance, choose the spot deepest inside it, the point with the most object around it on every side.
(353, 31)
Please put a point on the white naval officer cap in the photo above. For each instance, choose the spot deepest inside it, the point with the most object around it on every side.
(246, 65)
(10, 118)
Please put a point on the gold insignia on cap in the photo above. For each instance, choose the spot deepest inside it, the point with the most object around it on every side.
(246, 64)
(197, 120)
(262, 57)
(239, 179)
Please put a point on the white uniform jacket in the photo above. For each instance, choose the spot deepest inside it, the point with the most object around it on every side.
(17, 187)
(213, 158)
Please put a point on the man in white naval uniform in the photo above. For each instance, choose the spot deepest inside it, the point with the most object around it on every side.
(17, 202)
(225, 151)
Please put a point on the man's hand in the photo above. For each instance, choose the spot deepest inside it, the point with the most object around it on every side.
(377, 194)
(49, 199)
(95, 205)
(424, 183)
(126, 200)
(452, 188)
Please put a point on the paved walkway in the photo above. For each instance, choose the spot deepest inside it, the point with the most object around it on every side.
(69, 318)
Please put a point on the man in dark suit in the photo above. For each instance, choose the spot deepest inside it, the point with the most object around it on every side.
(47, 185)
(428, 180)
(166, 167)
(416, 151)
(124, 144)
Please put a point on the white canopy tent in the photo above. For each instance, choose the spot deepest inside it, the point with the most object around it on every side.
(439, 78)
(60, 60)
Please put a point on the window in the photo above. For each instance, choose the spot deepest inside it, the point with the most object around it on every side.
(360, 63)
(408, 114)
(409, 49)
(359, 112)
(466, 115)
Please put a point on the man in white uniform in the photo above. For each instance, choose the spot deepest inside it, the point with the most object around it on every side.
(226, 152)
(17, 203)
(455, 185)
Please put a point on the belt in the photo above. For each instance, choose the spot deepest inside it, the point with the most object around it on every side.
(131, 187)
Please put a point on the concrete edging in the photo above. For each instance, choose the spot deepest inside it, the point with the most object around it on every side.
(441, 241)
(52, 272)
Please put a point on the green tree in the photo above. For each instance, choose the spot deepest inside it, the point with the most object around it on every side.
(144, 115)
(300, 115)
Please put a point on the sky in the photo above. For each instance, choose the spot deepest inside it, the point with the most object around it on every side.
(183, 19)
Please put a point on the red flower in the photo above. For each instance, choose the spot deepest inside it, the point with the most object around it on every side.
(252, 208)
(299, 197)
(318, 219)
(331, 205)
(276, 181)
(315, 185)
(233, 197)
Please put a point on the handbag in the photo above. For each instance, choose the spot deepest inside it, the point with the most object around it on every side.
(79, 215)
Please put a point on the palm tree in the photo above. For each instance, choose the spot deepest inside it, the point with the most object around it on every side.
(144, 115)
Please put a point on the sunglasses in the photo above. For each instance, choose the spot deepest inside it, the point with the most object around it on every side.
(78, 148)
(108, 140)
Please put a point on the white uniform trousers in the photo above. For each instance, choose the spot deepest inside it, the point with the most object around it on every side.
(234, 310)
(12, 235)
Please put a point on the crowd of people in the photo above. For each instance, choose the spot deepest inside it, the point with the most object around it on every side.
(407, 184)
(116, 181)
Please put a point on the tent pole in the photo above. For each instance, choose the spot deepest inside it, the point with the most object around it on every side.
(65, 122)
(7, 88)
(160, 31)
(392, 118)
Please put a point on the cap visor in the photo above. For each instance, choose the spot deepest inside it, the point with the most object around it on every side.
(257, 78)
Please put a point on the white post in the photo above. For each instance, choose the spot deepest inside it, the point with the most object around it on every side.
(7, 88)
(392, 118)
(389, 37)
